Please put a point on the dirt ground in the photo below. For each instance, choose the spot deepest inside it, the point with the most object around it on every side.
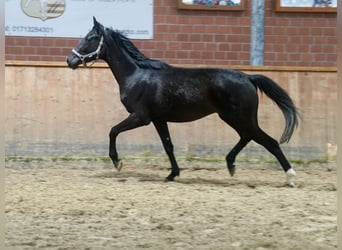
(86, 204)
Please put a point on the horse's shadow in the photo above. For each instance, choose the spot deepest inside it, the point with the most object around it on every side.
(150, 177)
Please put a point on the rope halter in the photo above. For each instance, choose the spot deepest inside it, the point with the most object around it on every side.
(89, 55)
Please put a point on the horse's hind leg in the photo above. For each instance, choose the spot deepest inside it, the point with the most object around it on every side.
(245, 138)
(273, 147)
(164, 134)
(230, 158)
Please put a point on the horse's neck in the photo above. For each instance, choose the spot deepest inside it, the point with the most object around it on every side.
(121, 65)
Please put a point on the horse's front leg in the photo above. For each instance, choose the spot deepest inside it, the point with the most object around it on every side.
(164, 134)
(131, 122)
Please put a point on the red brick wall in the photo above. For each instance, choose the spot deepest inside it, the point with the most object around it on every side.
(212, 37)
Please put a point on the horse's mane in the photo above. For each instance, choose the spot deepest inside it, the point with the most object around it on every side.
(140, 59)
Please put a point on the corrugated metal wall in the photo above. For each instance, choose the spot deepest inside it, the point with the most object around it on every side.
(56, 111)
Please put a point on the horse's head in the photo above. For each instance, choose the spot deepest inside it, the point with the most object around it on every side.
(89, 49)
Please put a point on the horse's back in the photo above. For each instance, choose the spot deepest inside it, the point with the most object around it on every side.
(187, 94)
(216, 83)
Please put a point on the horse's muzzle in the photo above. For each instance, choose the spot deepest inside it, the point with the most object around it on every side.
(73, 61)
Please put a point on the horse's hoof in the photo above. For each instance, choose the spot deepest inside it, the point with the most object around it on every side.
(118, 165)
(290, 184)
(231, 171)
(290, 175)
(169, 178)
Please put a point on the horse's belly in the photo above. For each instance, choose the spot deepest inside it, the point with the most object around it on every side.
(187, 115)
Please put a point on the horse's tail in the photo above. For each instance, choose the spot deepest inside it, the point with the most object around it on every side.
(282, 99)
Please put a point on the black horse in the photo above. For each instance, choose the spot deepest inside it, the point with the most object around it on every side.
(153, 91)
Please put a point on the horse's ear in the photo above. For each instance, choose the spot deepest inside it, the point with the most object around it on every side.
(95, 21)
(98, 27)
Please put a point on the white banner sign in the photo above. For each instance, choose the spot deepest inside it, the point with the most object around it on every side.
(74, 18)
